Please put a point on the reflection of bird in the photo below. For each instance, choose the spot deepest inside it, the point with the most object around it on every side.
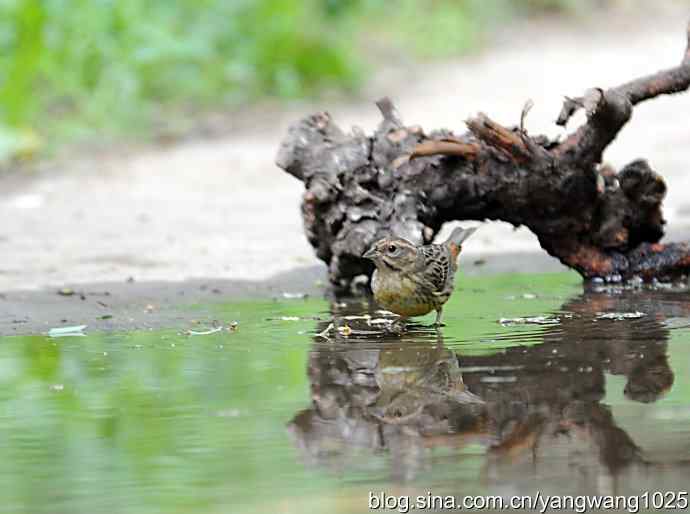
(413, 280)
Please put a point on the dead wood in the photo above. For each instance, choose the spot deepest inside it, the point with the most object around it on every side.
(599, 221)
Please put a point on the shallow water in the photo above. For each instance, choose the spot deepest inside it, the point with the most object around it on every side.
(272, 417)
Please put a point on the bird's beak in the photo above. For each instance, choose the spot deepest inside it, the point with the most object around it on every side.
(371, 253)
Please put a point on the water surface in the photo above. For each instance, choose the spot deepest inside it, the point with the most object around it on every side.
(272, 417)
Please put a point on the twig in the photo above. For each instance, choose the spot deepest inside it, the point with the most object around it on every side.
(205, 332)
(443, 147)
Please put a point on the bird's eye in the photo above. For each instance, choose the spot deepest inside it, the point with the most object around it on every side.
(392, 248)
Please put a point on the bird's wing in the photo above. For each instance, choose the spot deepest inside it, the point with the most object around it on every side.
(437, 266)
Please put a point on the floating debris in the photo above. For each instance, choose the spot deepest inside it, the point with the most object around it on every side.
(203, 332)
(345, 330)
(636, 281)
(150, 308)
(66, 291)
(529, 296)
(232, 327)
(534, 320)
(381, 321)
(74, 331)
(620, 316)
(677, 322)
(295, 318)
(57, 387)
(353, 317)
(490, 369)
(324, 333)
(498, 380)
(295, 296)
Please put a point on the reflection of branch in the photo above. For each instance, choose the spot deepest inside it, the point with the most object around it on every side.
(522, 438)
(410, 395)
(401, 419)
(651, 379)
(616, 447)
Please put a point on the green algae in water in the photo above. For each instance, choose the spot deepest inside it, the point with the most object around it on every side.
(269, 418)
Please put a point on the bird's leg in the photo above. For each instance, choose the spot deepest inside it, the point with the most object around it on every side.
(439, 313)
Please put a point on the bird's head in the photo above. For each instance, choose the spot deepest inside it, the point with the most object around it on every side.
(394, 253)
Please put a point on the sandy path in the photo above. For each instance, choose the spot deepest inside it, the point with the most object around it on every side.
(220, 208)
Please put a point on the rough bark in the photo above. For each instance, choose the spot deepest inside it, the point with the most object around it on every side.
(599, 221)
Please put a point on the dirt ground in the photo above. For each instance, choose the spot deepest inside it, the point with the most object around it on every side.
(218, 211)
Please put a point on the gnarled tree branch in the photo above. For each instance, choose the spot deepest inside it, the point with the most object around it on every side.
(400, 180)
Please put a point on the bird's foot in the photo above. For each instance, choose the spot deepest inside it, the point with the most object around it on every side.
(437, 323)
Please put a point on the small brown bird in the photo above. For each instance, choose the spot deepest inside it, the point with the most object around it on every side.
(413, 280)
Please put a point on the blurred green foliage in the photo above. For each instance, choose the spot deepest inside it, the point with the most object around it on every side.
(83, 65)
(81, 69)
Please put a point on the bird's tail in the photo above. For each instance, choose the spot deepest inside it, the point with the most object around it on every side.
(460, 234)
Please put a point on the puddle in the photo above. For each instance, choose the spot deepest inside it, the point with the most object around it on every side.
(272, 417)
